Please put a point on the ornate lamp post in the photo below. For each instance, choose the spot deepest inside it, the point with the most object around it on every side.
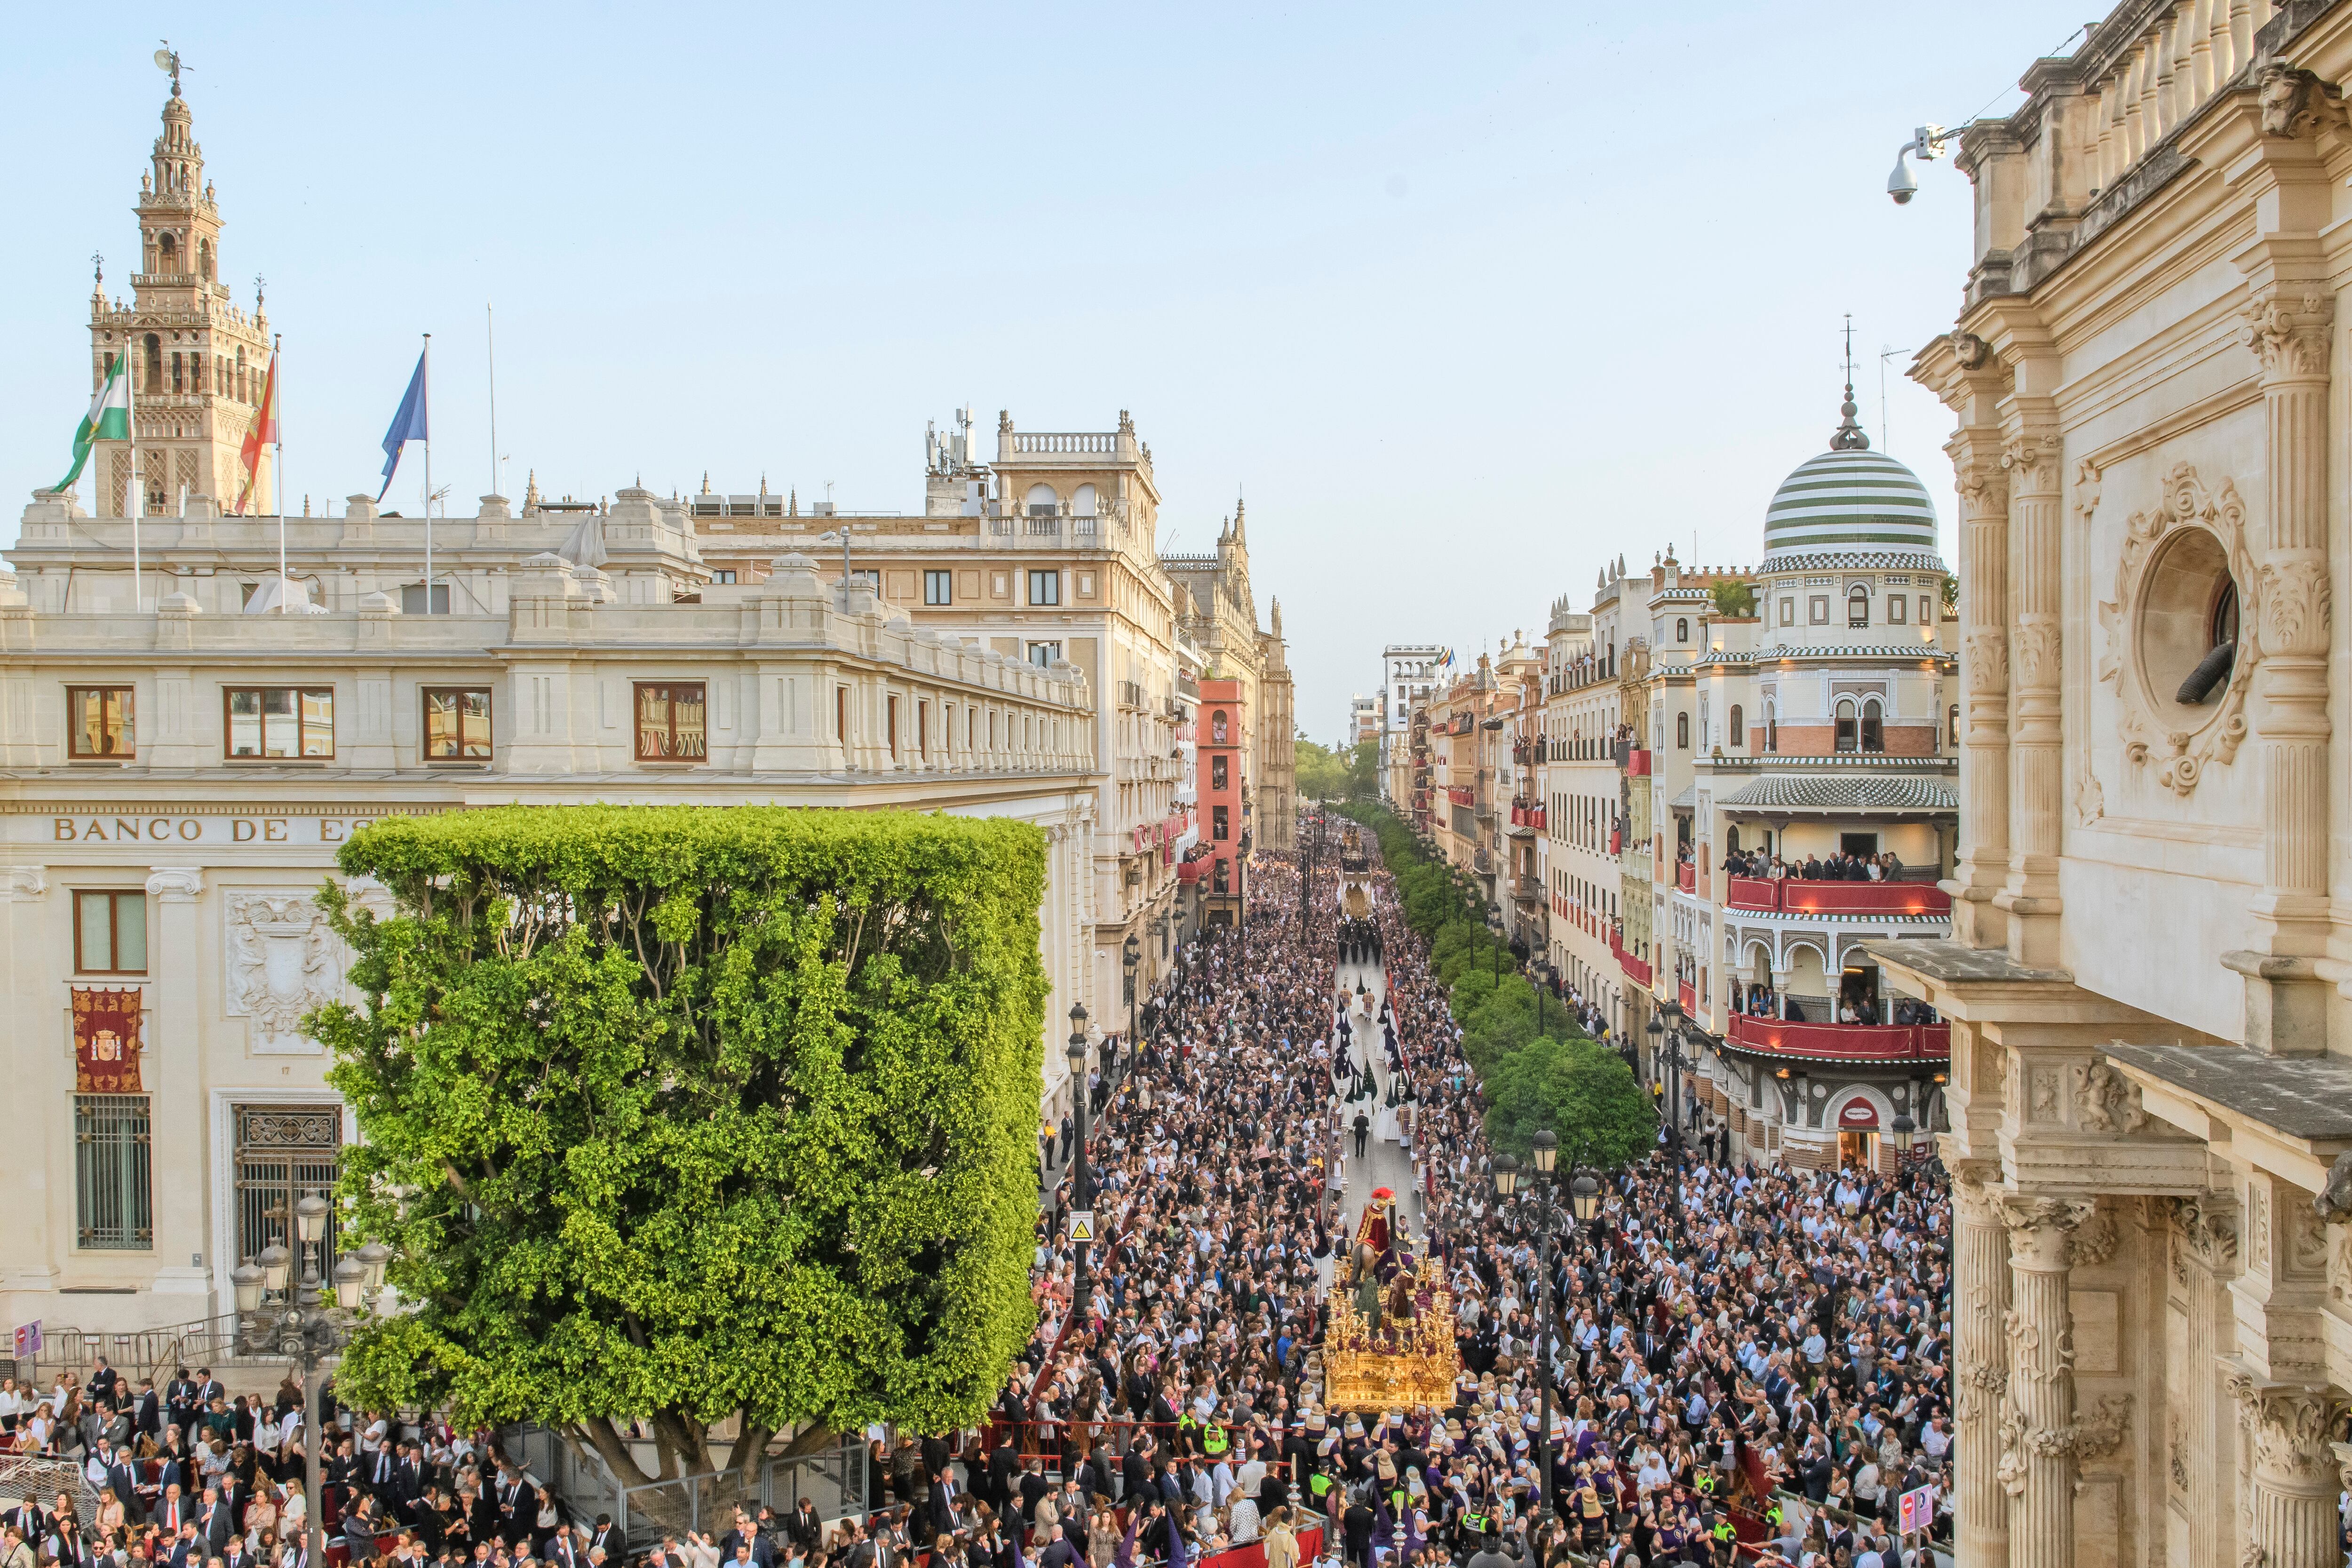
(1584, 1199)
(1130, 953)
(1672, 1012)
(1082, 1281)
(303, 1327)
(1903, 1128)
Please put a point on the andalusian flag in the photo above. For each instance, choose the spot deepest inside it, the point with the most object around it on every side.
(263, 433)
(109, 419)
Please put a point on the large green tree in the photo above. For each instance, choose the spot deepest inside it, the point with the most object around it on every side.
(1583, 1091)
(693, 1115)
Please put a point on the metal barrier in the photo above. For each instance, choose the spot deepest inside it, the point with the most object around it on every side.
(42, 1479)
(833, 1479)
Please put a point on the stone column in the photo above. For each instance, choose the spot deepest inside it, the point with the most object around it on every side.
(2289, 329)
(1980, 1362)
(178, 1123)
(1983, 861)
(2203, 1464)
(2291, 1515)
(2030, 894)
(2037, 1464)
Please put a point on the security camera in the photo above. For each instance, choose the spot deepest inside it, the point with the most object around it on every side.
(1900, 184)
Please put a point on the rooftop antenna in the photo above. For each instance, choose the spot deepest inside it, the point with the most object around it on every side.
(167, 59)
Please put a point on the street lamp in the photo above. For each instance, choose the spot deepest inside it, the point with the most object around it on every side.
(304, 1326)
(1672, 1012)
(1130, 953)
(1584, 1201)
(1903, 1128)
(1081, 1283)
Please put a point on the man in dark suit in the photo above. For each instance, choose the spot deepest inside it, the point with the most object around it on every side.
(807, 1529)
(147, 1412)
(518, 1502)
(941, 1505)
(745, 1534)
(123, 1477)
(187, 1547)
(235, 1555)
(213, 1522)
(208, 1388)
(607, 1537)
(172, 1509)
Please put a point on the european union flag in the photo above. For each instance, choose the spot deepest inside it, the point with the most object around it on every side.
(408, 425)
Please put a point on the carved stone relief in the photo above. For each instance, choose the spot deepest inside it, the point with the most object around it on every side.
(283, 962)
(2106, 1101)
(2208, 1231)
(2183, 742)
(2043, 1104)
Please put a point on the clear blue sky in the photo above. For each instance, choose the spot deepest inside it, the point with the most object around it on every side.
(1463, 298)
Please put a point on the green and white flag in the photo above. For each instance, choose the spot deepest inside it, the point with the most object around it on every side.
(109, 419)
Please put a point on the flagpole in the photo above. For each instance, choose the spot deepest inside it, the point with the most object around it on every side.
(425, 365)
(278, 446)
(491, 337)
(138, 501)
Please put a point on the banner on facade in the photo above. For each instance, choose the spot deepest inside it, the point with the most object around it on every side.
(107, 1041)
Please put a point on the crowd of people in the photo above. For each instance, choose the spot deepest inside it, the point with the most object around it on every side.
(1768, 1344)
(1884, 866)
(1749, 1366)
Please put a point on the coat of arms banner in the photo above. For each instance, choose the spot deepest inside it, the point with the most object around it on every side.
(106, 1040)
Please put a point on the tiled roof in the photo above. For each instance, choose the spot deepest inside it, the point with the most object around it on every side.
(1814, 791)
(1855, 650)
(1857, 560)
(1687, 800)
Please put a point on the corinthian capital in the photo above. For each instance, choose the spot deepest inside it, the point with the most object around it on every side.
(2288, 330)
(2042, 1230)
(2031, 459)
(2291, 1423)
(2296, 600)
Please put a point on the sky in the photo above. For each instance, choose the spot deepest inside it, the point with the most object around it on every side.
(1464, 300)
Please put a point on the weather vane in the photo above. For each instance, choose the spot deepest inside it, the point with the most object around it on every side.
(167, 59)
(97, 269)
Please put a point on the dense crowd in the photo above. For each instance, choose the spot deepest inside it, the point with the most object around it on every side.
(1738, 1350)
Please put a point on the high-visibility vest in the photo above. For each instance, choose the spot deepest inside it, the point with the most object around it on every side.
(1318, 1483)
(1213, 1440)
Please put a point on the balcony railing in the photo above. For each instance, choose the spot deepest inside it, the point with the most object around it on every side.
(1525, 814)
(1526, 889)
(1688, 994)
(1635, 762)
(1687, 877)
(1636, 970)
(1849, 1042)
(1889, 901)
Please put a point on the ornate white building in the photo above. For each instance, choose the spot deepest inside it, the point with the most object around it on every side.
(181, 752)
(2150, 978)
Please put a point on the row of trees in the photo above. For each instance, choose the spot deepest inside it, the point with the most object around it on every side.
(1348, 772)
(1538, 1066)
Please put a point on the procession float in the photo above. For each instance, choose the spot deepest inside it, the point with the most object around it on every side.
(1391, 1342)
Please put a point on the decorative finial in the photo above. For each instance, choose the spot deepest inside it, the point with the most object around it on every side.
(97, 273)
(1848, 436)
(260, 284)
(706, 481)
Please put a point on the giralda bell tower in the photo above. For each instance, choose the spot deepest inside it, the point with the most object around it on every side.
(197, 361)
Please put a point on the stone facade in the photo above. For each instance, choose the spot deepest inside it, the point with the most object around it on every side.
(2149, 979)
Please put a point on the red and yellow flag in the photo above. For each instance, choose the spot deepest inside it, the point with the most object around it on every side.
(263, 433)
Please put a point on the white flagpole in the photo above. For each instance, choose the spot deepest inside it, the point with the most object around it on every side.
(138, 501)
(428, 473)
(491, 338)
(277, 448)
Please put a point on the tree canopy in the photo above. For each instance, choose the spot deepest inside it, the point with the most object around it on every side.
(686, 1113)
(1347, 773)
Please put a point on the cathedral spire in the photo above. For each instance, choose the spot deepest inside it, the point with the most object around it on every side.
(1241, 529)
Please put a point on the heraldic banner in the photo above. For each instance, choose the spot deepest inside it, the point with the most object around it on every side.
(106, 1041)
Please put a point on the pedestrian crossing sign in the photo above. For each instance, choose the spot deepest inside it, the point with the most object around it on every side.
(1082, 1225)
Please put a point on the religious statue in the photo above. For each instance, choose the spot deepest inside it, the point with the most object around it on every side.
(1380, 1241)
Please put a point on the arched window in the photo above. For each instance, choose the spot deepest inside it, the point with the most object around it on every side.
(167, 253)
(195, 371)
(1952, 736)
(1874, 726)
(1682, 628)
(176, 385)
(1846, 736)
(1771, 727)
(205, 259)
(1857, 605)
(1739, 726)
(153, 380)
(1083, 503)
(1043, 501)
(1682, 731)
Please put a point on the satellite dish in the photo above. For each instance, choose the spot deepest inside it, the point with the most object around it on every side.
(162, 60)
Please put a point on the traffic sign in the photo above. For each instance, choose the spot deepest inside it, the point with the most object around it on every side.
(28, 1340)
(1082, 1225)
(1916, 1509)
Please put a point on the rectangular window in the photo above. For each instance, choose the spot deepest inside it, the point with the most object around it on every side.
(1820, 609)
(890, 723)
(1043, 654)
(1045, 587)
(841, 714)
(922, 729)
(1896, 605)
(1222, 829)
(866, 579)
(670, 722)
(724, 576)
(938, 588)
(110, 932)
(1788, 612)
(97, 723)
(1217, 775)
(412, 600)
(113, 1196)
(456, 724)
(1926, 610)
(278, 721)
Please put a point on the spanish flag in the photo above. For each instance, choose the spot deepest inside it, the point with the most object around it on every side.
(253, 498)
